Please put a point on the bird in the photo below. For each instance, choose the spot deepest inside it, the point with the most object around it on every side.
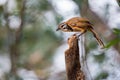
(79, 24)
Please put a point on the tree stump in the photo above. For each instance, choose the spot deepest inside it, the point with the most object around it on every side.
(73, 67)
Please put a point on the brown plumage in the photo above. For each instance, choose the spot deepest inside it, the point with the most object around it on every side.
(78, 24)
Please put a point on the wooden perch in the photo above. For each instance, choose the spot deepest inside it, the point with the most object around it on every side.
(73, 67)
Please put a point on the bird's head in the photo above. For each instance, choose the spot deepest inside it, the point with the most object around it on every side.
(64, 27)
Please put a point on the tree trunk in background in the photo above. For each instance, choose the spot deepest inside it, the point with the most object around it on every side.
(118, 2)
(14, 39)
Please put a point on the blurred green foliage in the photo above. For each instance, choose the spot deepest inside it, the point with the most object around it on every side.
(99, 58)
(103, 75)
(116, 40)
(79, 2)
(116, 31)
(38, 40)
(36, 34)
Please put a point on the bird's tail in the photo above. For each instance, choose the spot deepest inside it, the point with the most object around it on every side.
(99, 41)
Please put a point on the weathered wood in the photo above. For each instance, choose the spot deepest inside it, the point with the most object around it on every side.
(73, 67)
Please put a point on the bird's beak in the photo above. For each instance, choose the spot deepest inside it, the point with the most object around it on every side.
(57, 29)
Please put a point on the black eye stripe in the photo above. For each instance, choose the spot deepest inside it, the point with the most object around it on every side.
(62, 26)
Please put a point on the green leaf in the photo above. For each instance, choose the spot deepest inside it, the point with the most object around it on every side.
(113, 42)
(116, 31)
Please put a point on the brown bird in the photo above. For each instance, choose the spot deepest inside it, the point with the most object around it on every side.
(82, 25)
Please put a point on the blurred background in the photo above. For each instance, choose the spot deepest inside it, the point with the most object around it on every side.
(31, 49)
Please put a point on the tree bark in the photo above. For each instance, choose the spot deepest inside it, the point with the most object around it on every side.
(73, 67)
